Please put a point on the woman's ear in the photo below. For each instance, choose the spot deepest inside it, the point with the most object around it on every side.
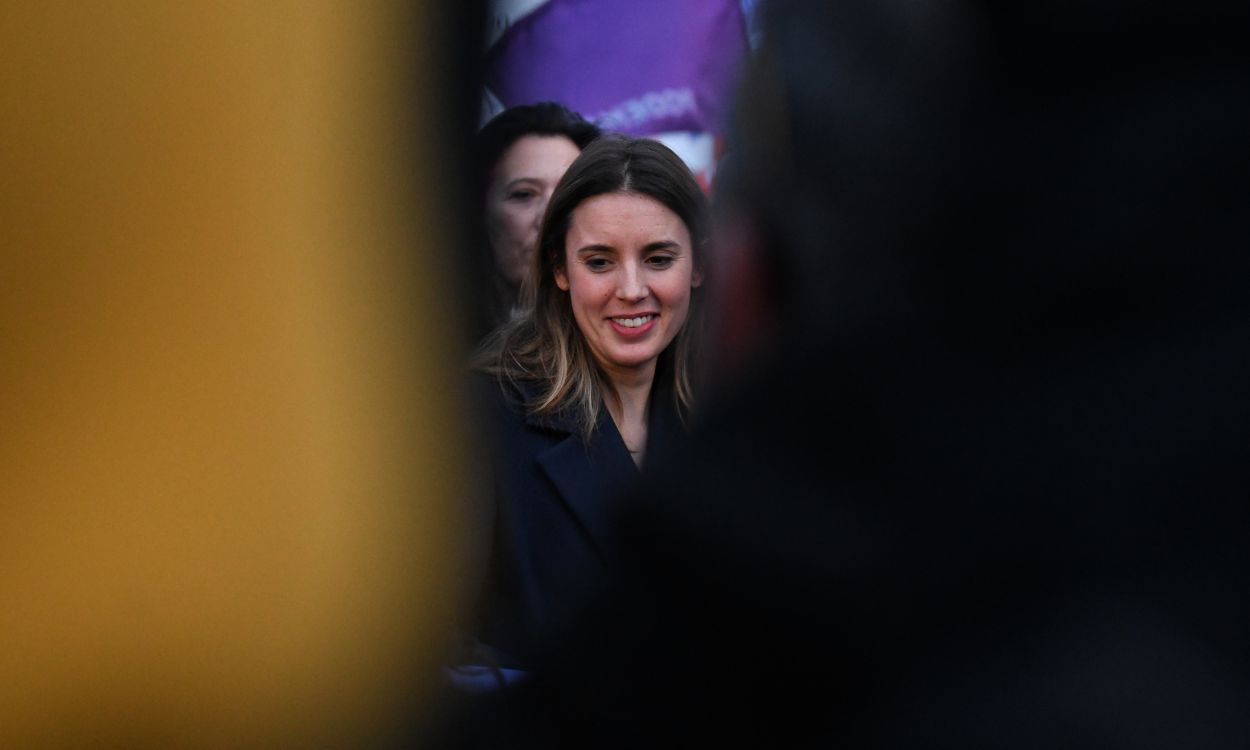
(562, 280)
(696, 278)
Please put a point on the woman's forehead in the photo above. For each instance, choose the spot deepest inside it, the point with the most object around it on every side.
(536, 157)
(625, 216)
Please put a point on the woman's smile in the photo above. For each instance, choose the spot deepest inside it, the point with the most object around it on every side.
(636, 325)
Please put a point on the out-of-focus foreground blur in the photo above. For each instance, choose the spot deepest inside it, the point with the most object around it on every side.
(226, 443)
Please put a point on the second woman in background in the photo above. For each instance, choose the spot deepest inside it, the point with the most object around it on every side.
(521, 155)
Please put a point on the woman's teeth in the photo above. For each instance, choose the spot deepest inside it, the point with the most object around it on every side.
(633, 322)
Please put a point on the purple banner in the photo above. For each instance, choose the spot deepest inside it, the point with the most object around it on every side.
(634, 66)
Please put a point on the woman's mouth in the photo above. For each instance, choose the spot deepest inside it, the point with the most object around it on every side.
(634, 325)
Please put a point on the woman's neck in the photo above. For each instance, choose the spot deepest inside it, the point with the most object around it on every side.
(629, 408)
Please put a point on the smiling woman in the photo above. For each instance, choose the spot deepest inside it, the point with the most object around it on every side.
(591, 383)
(629, 273)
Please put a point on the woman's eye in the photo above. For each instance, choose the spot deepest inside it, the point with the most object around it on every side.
(597, 264)
(521, 195)
(660, 261)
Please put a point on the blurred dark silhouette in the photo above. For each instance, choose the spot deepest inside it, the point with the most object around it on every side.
(985, 482)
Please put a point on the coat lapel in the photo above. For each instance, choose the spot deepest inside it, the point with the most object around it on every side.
(589, 477)
(665, 432)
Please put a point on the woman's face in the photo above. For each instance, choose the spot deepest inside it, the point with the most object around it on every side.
(628, 269)
(516, 198)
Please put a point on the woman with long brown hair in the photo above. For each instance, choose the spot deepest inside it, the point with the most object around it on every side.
(593, 382)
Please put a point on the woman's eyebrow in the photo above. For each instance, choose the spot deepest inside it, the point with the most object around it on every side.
(514, 183)
(596, 249)
(650, 247)
(660, 245)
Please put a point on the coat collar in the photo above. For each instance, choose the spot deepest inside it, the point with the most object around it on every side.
(590, 476)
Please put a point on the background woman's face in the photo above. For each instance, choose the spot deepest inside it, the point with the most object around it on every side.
(628, 269)
(520, 186)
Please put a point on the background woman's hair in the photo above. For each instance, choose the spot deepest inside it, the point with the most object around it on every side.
(544, 119)
(545, 346)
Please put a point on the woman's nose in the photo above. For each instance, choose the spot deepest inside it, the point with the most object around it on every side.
(631, 284)
(540, 209)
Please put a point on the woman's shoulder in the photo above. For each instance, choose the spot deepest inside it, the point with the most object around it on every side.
(511, 400)
(505, 397)
(496, 392)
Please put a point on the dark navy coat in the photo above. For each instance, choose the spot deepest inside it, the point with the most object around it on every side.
(555, 499)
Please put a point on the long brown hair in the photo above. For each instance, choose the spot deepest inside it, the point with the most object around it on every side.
(544, 346)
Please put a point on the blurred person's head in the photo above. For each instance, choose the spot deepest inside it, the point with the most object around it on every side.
(986, 261)
(620, 260)
(522, 153)
(846, 119)
(913, 166)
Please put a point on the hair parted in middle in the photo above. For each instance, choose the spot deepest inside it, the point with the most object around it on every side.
(544, 346)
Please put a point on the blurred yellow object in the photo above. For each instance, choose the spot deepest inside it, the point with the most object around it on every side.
(227, 441)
